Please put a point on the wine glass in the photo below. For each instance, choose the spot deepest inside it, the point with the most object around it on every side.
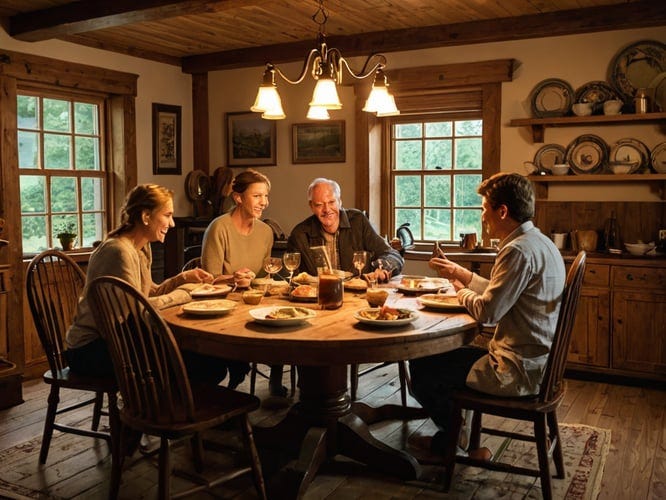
(272, 265)
(360, 259)
(291, 261)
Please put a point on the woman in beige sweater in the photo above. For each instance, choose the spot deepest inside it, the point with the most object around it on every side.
(146, 216)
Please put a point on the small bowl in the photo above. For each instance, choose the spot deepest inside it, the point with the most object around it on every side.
(613, 107)
(376, 296)
(559, 169)
(621, 168)
(639, 248)
(582, 108)
(252, 297)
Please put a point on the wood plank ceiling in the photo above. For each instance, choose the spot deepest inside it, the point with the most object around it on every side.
(205, 35)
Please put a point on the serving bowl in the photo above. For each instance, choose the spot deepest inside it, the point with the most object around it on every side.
(582, 108)
(639, 248)
(560, 169)
(252, 297)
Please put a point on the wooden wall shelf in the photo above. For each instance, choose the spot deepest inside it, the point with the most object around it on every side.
(658, 181)
(538, 125)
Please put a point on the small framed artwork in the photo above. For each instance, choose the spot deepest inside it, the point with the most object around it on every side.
(318, 142)
(166, 139)
(250, 140)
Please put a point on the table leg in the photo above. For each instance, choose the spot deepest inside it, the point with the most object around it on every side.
(322, 424)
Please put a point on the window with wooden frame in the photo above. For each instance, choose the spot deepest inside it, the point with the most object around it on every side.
(62, 172)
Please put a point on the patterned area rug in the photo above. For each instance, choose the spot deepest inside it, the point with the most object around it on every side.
(585, 450)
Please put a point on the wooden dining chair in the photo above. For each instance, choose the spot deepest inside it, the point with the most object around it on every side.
(192, 264)
(54, 283)
(403, 376)
(158, 398)
(541, 409)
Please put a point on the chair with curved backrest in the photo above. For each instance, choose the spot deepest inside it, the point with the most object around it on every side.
(540, 410)
(192, 264)
(157, 397)
(54, 283)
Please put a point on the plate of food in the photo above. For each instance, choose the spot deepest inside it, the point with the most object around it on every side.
(281, 316)
(304, 279)
(304, 293)
(208, 290)
(356, 284)
(216, 307)
(441, 301)
(385, 316)
(422, 284)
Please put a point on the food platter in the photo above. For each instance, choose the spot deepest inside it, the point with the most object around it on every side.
(304, 279)
(636, 66)
(210, 291)
(549, 155)
(439, 301)
(216, 307)
(423, 285)
(551, 97)
(383, 323)
(356, 284)
(587, 154)
(658, 158)
(303, 293)
(301, 315)
(596, 93)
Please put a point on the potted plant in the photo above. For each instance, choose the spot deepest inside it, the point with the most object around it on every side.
(67, 235)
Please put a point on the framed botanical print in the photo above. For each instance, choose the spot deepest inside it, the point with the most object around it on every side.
(166, 139)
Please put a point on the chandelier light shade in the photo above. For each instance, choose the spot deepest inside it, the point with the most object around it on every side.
(326, 67)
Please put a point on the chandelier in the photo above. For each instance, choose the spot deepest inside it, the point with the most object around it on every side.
(326, 67)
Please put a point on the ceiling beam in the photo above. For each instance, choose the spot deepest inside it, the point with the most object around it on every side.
(640, 14)
(83, 15)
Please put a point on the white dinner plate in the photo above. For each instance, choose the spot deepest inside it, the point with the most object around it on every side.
(210, 291)
(259, 315)
(216, 307)
(384, 323)
(439, 301)
(427, 285)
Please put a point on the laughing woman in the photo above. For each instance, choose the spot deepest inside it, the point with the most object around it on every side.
(146, 216)
(238, 242)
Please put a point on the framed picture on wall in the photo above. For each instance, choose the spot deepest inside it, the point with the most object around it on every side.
(250, 140)
(166, 139)
(318, 142)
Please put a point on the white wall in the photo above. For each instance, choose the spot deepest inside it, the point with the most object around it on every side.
(577, 59)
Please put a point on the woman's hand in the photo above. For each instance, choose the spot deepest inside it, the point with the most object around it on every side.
(197, 275)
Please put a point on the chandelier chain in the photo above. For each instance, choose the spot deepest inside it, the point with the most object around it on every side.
(320, 17)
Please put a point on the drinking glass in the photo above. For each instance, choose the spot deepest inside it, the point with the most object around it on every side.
(272, 265)
(291, 261)
(384, 264)
(360, 259)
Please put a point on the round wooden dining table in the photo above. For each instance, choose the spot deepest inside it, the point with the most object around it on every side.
(324, 422)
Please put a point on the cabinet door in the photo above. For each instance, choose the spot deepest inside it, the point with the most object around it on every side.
(590, 339)
(639, 331)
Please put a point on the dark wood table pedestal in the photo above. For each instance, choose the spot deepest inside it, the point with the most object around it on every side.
(325, 423)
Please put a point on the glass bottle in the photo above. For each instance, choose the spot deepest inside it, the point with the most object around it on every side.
(612, 241)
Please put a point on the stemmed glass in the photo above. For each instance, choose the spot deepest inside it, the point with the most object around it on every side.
(272, 265)
(291, 261)
(384, 264)
(360, 259)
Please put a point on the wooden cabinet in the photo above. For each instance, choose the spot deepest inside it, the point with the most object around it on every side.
(639, 320)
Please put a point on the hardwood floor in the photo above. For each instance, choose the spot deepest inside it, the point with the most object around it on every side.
(636, 466)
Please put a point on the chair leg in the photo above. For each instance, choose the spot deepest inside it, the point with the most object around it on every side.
(402, 371)
(117, 460)
(475, 435)
(353, 373)
(51, 410)
(257, 474)
(197, 452)
(542, 452)
(164, 482)
(253, 378)
(554, 433)
(97, 410)
(452, 446)
(114, 423)
(293, 376)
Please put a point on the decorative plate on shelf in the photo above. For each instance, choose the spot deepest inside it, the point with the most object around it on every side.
(587, 154)
(551, 97)
(549, 155)
(658, 90)
(636, 66)
(630, 151)
(596, 92)
(659, 158)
